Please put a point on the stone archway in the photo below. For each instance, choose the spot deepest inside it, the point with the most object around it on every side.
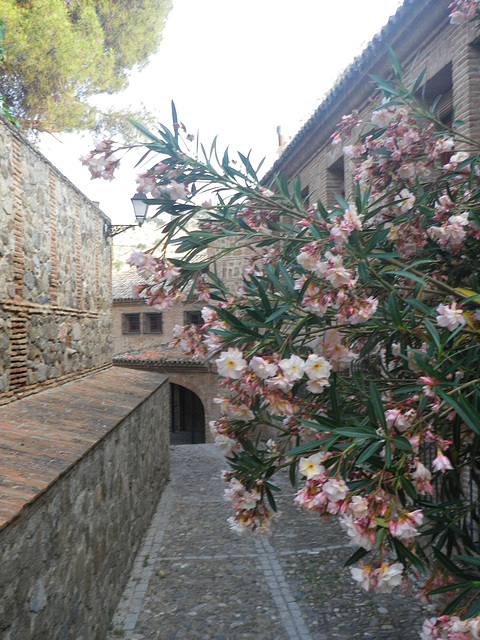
(187, 425)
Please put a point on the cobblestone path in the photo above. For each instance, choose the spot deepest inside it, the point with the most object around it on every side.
(195, 580)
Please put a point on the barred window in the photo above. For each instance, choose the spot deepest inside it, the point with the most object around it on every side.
(152, 323)
(130, 323)
(193, 317)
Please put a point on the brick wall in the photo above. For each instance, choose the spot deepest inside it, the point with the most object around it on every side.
(55, 279)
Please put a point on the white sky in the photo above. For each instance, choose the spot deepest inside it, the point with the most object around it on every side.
(237, 69)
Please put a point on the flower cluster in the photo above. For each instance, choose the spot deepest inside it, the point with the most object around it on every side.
(348, 351)
(101, 161)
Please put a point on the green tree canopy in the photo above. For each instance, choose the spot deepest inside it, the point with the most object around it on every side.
(58, 53)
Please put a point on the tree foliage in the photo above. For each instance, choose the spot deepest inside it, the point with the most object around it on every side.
(59, 53)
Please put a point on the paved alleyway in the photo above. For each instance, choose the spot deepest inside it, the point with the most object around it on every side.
(194, 580)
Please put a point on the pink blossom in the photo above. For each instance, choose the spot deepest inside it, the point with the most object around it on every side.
(176, 191)
(312, 467)
(263, 367)
(335, 490)
(421, 479)
(231, 364)
(450, 317)
(441, 462)
(293, 368)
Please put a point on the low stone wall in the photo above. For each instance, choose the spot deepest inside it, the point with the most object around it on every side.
(66, 555)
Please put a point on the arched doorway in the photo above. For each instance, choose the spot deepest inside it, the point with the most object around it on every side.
(188, 416)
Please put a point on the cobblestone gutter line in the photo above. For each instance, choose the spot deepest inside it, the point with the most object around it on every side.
(130, 605)
(288, 609)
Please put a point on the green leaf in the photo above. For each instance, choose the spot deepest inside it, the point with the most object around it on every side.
(464, 410)
(409, 488)
(356, 432)
(369, 452)
(402, 443)
(433, 334)
(376, 403)
(323, 424)
(474, 609)
(405, 554)
(303, 448)
(469, 560)
(394, 310)
(278, 313)
(388, 454)
(356, 556)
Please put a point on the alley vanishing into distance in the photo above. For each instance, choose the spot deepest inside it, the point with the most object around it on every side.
(195, 580)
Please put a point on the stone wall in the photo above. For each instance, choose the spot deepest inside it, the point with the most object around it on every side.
(55, 274)
(66, 555)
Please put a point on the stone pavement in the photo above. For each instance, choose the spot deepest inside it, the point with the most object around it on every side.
(195, 580)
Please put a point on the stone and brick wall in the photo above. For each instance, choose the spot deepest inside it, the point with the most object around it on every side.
(55, 274)
(82, 469)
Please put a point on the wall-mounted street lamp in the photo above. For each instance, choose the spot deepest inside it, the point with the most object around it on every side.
(140, 207)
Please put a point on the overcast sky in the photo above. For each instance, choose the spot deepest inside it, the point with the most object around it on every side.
(237, 69)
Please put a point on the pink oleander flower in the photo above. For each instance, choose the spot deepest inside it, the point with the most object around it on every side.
(231, 363)
(226, 445)
(335, 490)
(362, 575)
(401, 420)
(407, 200)
(318, 385)
(365, 311)
(331, 347)
(421, 478)
(279, 383)
(208, 315)
(388, 577)
(341, 231)
(312, 467)
(452, 233)
(441, 462)
(457, 159)
(405, 527)
(263, 368)
(383, 116)
(359, 537)
(450, 317)
(334, 271)
(293, 368)
(176, 190)
(317, 367)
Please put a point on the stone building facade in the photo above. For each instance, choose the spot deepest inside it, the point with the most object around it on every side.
(55, 282)
(423, 39)
(142, 336)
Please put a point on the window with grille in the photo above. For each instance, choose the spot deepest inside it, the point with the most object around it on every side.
(131, 323)
(193, 317)
(152, 323)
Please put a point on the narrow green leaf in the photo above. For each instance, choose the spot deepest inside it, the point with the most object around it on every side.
(356, 556)
(430, 327)
(376, 402)
(369, 452)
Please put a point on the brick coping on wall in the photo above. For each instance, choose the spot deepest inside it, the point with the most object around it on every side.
(43, 436)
